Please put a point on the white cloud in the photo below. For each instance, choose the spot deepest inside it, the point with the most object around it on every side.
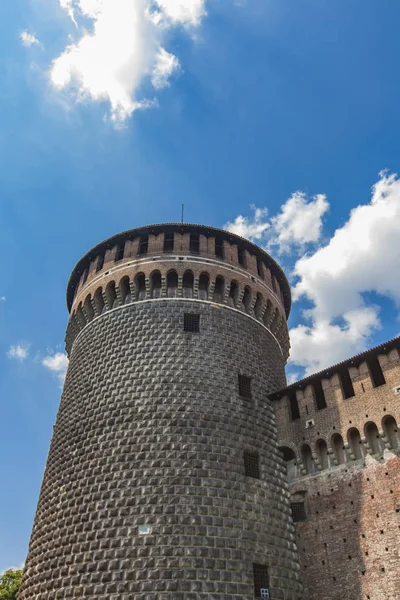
(254, 228)
(58, 364)
(299, 222)
(362, 256)
(3, 299)
(166, 65)
(123, 50)
(19, 352)
(29, 39)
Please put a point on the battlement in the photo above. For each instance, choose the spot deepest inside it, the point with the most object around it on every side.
(341, 414)
(179, 261)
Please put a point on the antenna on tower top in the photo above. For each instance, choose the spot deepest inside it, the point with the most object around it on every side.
(183, 210)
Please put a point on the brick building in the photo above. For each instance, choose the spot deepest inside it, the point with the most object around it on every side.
(181, 467)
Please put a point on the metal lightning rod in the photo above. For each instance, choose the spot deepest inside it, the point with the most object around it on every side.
(183, 210)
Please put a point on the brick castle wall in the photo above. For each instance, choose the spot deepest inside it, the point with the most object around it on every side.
(343, 463)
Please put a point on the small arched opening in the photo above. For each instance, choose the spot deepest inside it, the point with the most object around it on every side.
(89, 308)
(99, 301)
(111, 295)
(373, 438)
(219, 290)
(390, 429)
(307, 459)
(172, 284)
(246, 300)
(291, 462)
(233, 294)
(125, 290)
(354, 440)
(155, 284)
(338, 448)
(204, 283)
(140, 286)
(80, 316)
(267, 313)
(258, 305)
(188, 284)
(322, 453)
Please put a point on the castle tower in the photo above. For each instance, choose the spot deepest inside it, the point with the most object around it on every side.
(164, 480)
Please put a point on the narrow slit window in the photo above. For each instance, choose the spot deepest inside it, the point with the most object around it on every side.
(85, 275)
(191, 322)
(260, 270)
(241, 258)
(194, 243)
(319, 395)
(169, 242)
(294, 407)
(219, 248)
(261, 581)
(375, 371)
(251, 464)
(119, 255)
(100, 263)
(143, 244)
(244, 386)
(347, 384)
(298, 512)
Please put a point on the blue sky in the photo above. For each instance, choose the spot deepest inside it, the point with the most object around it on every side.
(286, 106)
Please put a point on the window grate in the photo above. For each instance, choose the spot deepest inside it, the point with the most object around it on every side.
(251, 464)
(191, 322)
(298, 512)
(261, 581)
(244, 386)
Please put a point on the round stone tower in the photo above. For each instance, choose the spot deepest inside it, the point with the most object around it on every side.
(164, 481)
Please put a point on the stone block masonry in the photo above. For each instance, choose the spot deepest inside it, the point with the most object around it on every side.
(145, 495)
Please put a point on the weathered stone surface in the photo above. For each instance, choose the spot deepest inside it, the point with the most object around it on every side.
(144, 495)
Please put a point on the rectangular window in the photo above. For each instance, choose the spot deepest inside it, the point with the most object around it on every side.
(319, 395)
(244, 386)
(261, 581)
(100, 263)
(298, 512)
(347, 384)
(375, 371)
(294, 407)
(143, 244)
(251, 464)
(168, 242)
(191, 322)
(194, 243)
(241, 257)
(219, 248)
(119, 255)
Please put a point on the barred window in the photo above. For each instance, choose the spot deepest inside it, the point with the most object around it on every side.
(191, 322)
(244, 386)
(251, 464)
(298, 511)
(261, 581)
